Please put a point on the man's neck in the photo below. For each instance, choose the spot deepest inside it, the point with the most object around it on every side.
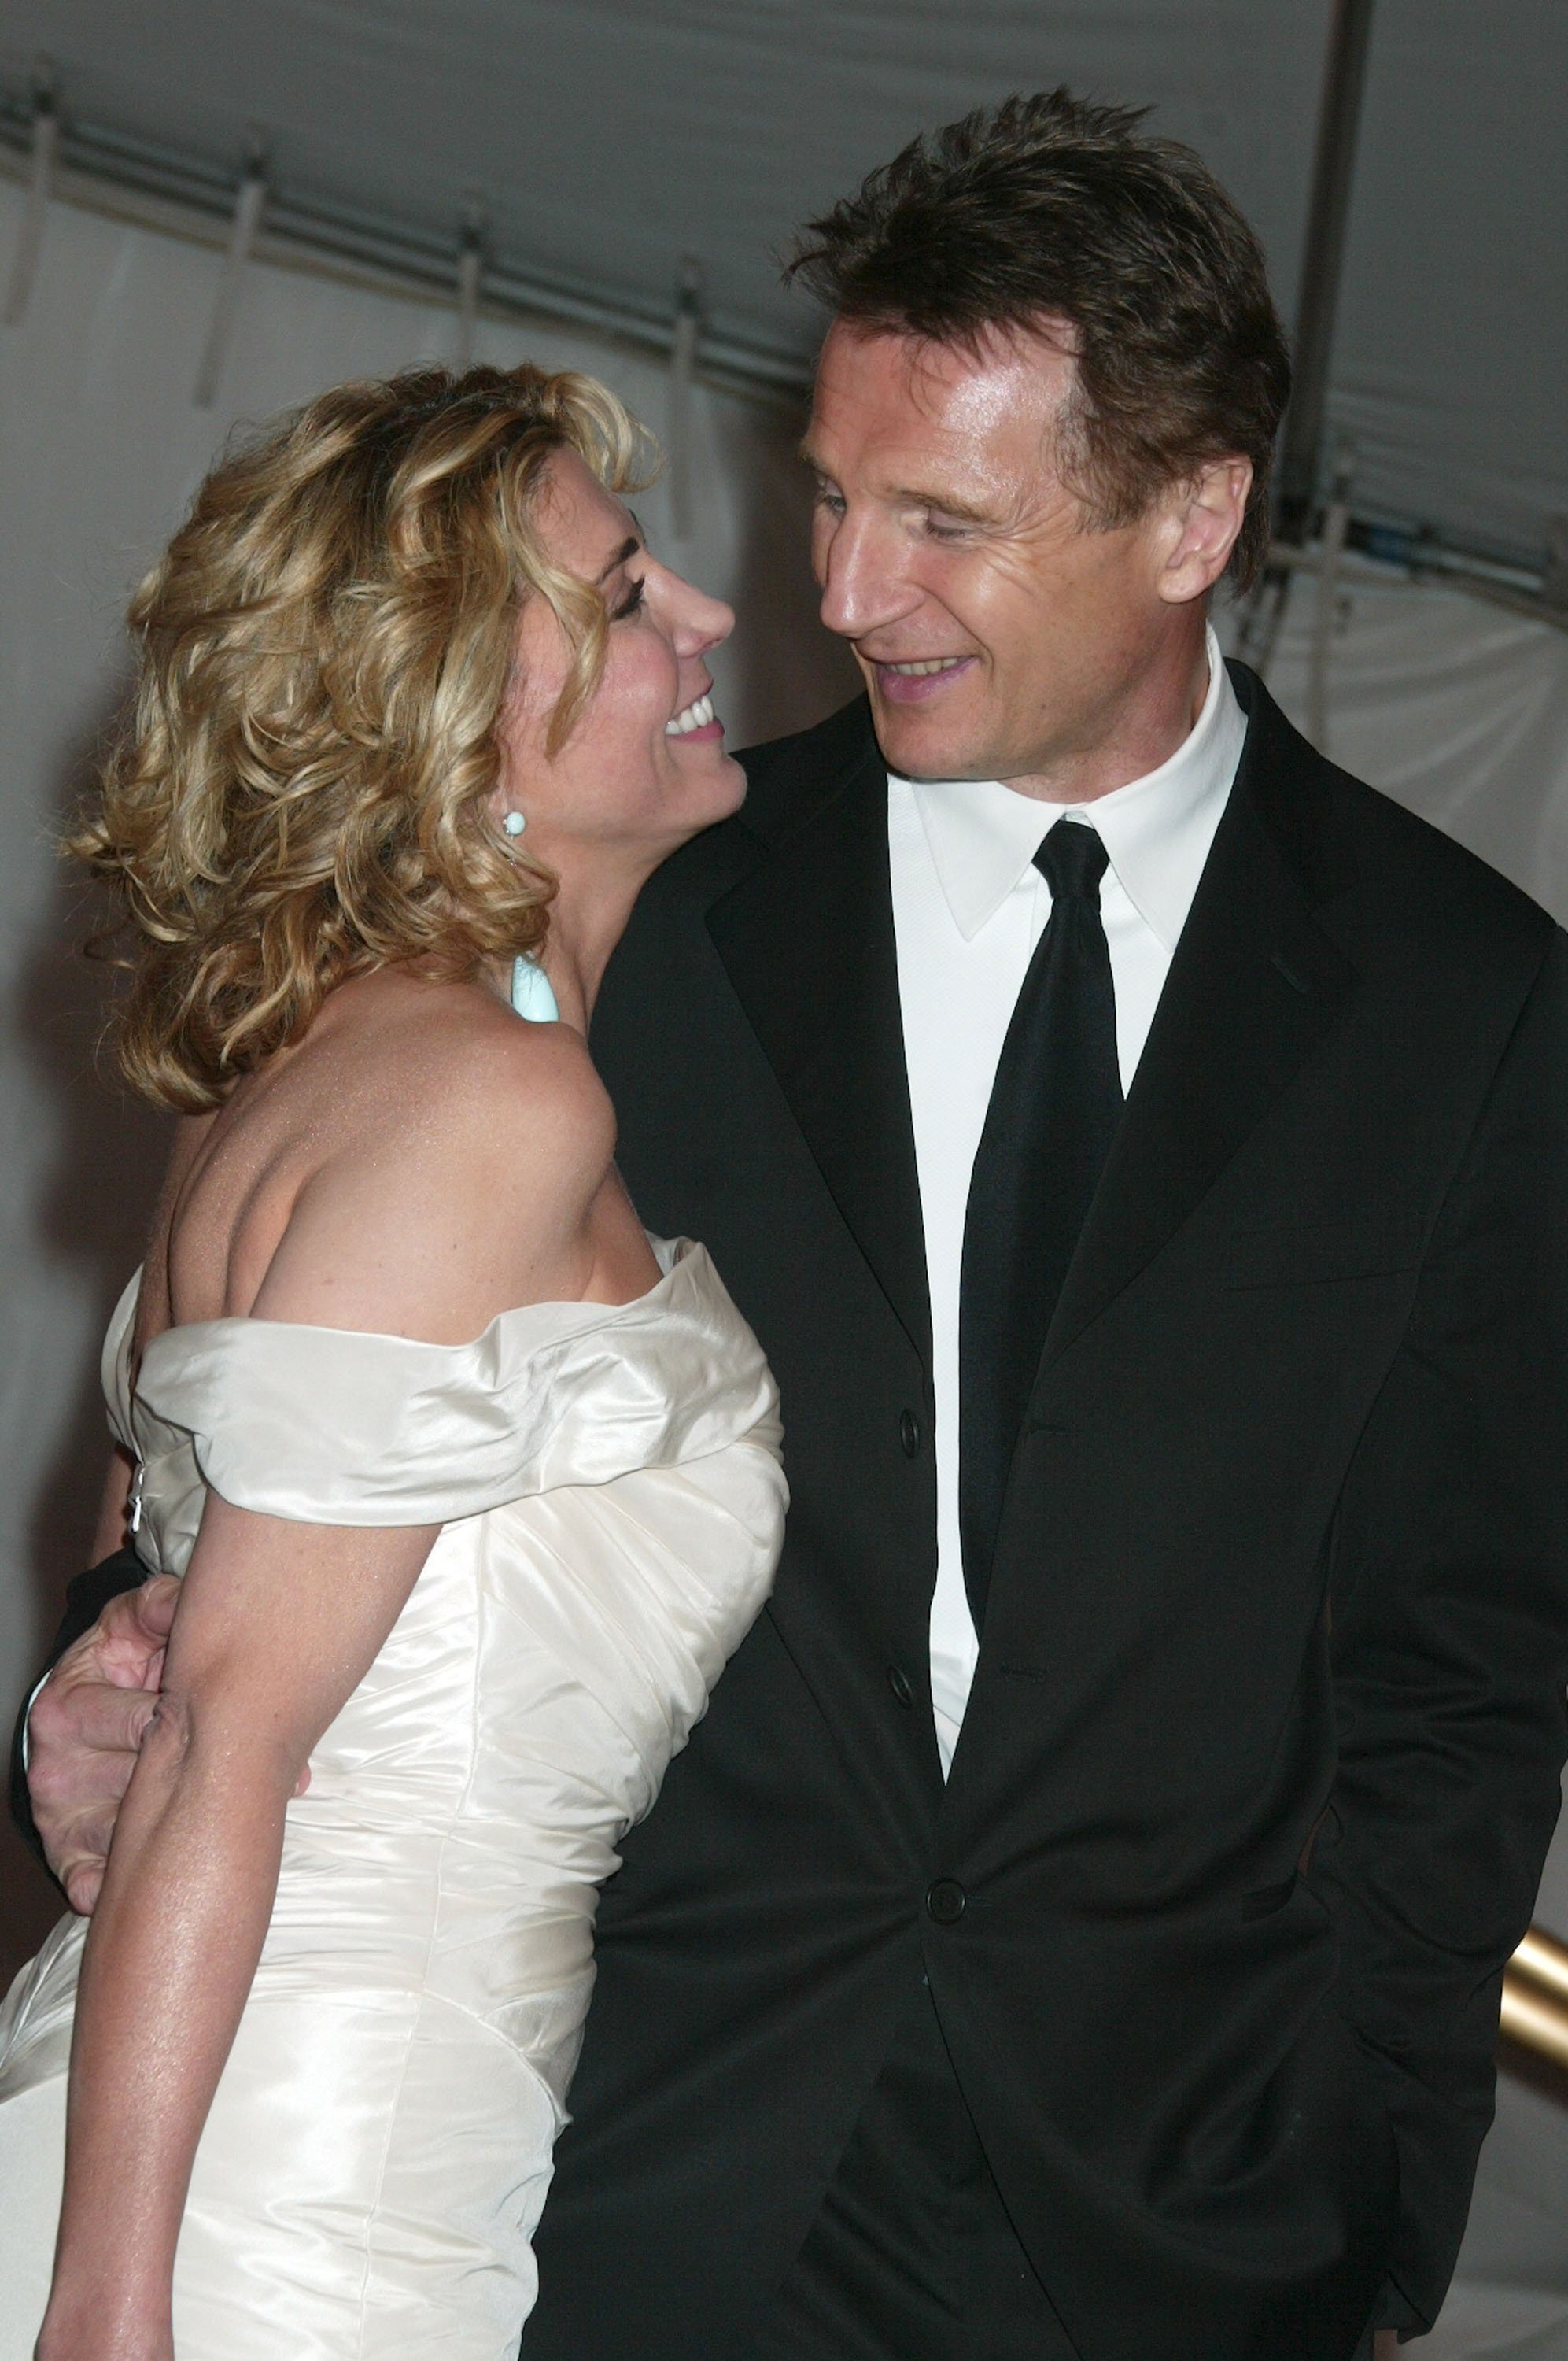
(1146, 731)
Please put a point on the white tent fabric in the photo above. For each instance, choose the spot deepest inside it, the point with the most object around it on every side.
(607, 139)
(1460, 711)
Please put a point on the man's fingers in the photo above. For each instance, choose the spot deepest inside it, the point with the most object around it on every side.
(85, 1737)
(132, 1632)
(86, 1728)
(155, 1604)
(84, 1881)
(81, 1854)
(128, 1639)
(77, 1717)
(112, 1721)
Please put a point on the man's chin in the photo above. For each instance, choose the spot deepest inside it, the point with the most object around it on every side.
(926, 745)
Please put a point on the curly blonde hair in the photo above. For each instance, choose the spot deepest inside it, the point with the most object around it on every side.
(299, 792)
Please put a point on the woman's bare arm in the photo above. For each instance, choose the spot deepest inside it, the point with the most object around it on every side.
(277, 1624)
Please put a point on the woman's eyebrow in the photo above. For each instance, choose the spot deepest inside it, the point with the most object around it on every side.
(628, 548)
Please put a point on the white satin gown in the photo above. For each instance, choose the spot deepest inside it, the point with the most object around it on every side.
(608, 1487)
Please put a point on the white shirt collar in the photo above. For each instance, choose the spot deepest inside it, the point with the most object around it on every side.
(1157, 830)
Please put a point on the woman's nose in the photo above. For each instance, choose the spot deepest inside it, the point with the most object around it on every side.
(700, 621)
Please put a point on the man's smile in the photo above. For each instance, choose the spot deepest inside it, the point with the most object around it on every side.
(918, 680)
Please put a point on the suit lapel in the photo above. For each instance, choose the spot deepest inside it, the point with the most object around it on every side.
(1254, 986)
(807, 942)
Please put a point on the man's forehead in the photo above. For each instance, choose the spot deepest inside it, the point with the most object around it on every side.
(906, 398)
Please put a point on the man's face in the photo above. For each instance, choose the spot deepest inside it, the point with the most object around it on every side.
(1002, 636)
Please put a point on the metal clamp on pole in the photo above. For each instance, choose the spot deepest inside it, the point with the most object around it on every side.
(46, 147)
(683, 371)
(249, 203)
(470, 278)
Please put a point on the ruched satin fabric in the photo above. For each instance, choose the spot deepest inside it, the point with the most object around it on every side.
(608, 1482)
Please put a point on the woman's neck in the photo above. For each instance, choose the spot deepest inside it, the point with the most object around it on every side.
(582, 933)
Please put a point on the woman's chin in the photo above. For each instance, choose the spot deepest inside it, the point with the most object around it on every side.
(712, 783)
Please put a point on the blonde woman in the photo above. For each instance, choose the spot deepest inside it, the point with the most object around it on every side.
(473, 1485)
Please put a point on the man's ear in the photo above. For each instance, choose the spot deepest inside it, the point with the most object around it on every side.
(1206, 515)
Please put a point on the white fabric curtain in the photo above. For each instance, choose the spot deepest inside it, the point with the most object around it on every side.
(1460, 711)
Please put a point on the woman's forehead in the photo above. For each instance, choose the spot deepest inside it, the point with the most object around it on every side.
(584, 524)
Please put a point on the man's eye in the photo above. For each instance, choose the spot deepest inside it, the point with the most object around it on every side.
(630, 604)
(832, 501)
(940, 528)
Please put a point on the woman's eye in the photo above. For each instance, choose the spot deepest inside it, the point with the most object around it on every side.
(630, 604)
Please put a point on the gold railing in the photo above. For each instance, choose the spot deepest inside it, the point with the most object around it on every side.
(1535, 1996)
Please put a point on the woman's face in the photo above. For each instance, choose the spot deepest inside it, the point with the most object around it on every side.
(645, 767)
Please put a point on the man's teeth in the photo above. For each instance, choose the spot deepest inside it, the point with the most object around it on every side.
(919, 671)
(695, 717)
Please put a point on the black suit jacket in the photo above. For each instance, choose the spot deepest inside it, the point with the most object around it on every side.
(1261, 1760)
(1262, 1757)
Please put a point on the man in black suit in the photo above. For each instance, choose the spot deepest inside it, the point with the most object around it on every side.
(1077, 1928)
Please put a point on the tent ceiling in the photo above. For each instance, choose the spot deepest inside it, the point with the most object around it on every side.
(607, 138)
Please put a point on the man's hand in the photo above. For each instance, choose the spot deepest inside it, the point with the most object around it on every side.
(85, 1731)
(1385, 2344)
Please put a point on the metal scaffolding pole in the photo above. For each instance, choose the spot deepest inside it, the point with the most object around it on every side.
(1334, 168)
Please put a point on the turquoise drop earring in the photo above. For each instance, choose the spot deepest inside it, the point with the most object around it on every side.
(530, 993)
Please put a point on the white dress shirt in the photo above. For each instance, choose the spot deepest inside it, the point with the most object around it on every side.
(968, 908)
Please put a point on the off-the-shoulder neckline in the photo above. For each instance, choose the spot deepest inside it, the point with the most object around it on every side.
(687, 1253)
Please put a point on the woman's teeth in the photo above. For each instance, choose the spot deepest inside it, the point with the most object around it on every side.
(919, 671)
(695, 717)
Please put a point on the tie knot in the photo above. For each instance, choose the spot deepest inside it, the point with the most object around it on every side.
(1073, 860)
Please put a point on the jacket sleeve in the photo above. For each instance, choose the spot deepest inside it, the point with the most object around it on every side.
(1450, 1638)
(84, 1602)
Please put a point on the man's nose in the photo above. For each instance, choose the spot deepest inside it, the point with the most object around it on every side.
(863, 584)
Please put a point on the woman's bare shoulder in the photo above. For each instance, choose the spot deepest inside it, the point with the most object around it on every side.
(459, 1057)
(458, 1153)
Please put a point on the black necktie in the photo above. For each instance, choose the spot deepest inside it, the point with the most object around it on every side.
(1054, 1108)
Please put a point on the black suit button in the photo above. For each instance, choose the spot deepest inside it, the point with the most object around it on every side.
(909, 1434)
(899, 1684)
(945, 1900)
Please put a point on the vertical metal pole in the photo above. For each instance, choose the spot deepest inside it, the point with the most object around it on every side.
(46, 147)
(1554, 581)
(247, 210)
(470, 274)
(1328, 218)
(682, 365)
(1330, 550)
